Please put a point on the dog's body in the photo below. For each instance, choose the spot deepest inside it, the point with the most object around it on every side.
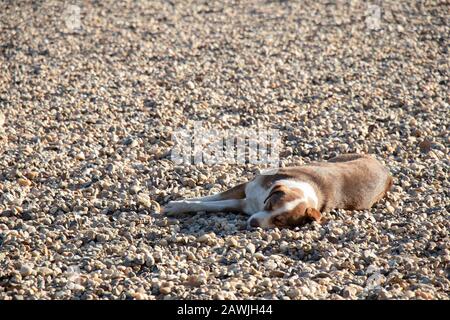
(295, 195)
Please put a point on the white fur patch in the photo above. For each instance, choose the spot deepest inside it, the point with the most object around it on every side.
(288, 206)
(306, 188)
(264, 217)
(255, 196)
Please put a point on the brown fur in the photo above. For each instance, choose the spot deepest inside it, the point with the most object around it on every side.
(300, 215)
(351, 182)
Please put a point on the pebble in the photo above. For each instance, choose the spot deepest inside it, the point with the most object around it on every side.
(24, 182)
(425, 146)
(196, 281)
(259, 256)
(375, 280)
(189, 182)
(80, 156)
(165, 290)
(250, 248)
(26, 270)
(349, 292)
(204, 238)
(293, 293)
(2, 119)
(149, 260)
(232, 242)
(144, 200)
(32, 175)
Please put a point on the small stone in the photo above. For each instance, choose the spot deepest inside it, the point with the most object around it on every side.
(133, 143)
(384, 294)
(144, 200)
(232, 242)
(90, 234)
(205, 238)
(218, 296)
(134, 189)
(101, 237)
(45, 271)
(416, 133)
(259, 256)
(24, 182)
(266, 282)
(189, 182)
(270, 264)
(140, 296)
(284, 246)
(165, 290)
(371, 269)
(369, 255)
(196, 281)
(293, 293)
(349, 292)
(276, 236)
(32, 175)
(375, 280)
(149, 260)
(26, 270)
(425, 146)
(190, 256)
(251, 248)
(305, 291)
(277, 273)
(80, 156)
(190, 85)
(424, 295)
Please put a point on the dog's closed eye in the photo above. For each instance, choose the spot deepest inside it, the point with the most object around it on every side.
(276, 197)
(300, 215)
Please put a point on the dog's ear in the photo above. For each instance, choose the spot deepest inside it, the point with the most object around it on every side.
(313, 214)
(292, 218)
(275, 195)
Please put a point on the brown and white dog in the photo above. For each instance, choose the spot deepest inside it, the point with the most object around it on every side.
(289, 197)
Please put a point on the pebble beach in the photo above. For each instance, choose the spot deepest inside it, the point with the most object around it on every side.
(91, 93)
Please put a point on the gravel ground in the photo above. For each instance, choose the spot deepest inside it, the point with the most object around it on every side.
(87, 111)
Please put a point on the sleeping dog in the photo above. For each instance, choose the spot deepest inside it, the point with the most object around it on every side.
(293, 196)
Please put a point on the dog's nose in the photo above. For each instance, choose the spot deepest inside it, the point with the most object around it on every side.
(253, 223)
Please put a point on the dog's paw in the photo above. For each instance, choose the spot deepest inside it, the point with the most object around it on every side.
(174, 207)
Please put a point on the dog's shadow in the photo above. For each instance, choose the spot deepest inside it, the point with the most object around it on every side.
(234, 225)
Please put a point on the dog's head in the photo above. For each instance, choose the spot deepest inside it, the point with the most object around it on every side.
(285, 207)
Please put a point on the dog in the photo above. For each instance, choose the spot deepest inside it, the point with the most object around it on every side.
(293, 196)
